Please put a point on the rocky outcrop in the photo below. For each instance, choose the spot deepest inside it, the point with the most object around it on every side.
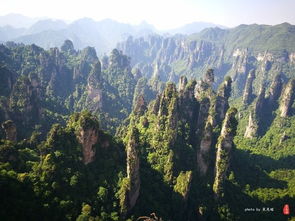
(204, 150)
(203, 115)
(132, 169)
(209, 77)
(221, 104)
(224, 148)
(10, 130)
(182, 83)
(94, 88)
(68, 46)
(140, 105)
(287, 99)
(201, 90)
(252, 127)
(169, 95)
(247, 95)
(275, 89)
(260, 102)
(88, 137)
(255, 115)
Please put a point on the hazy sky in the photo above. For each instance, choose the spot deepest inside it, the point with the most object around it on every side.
(164, 14)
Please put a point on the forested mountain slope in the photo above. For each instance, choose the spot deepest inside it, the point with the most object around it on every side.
(219, 142)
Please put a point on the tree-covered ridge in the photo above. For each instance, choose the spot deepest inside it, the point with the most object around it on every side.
(192, 153)
(50, 180)
(41, 87)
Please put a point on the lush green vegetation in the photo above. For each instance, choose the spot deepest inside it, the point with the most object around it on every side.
(44, 175)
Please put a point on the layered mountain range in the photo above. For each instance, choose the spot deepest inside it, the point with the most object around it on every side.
(231, 52)
(197, 127)
(103, 35)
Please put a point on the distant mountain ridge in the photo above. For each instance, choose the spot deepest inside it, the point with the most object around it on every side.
(103, 35)
(194, 27)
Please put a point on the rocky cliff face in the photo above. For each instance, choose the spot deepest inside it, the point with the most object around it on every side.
(248, 92)
(275, 89)
(192, 55)
(182, 83)
(287, 98)
(221, 104)
(252, 127)
(224, 148)
(88, 138)
(204, 151)
(133, 169)
(256, 115)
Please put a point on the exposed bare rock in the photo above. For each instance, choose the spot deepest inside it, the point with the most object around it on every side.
(209, 76)
(252, 127)
(254, 116)
(182, 83)
(133, 175)
(240, 60)
(88, 138)
(247, 95)
(203, 114)
(10, 130)
(203, 152)
(221, 104)
(140, 105)
(224, 148)
(260, 102)
(94, 91)
(275, 89)
(201, 89)
(287, 98)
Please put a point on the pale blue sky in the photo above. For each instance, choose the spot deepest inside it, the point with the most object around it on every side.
(164, 14)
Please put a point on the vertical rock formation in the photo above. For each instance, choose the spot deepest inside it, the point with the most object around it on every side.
(221, 104)
(131, 190)
(182, 83)
(88, 136)
(255, 115)
(203, 152)
(209, 76)
(203, 115)
(10, 130)
(94, 88)
(252, 126)
(68, 47)
(258, 109)
(169, 94)
(140, 105)
(224, 147)
(183, 183)
(287, 99)
(247, 95)
(275, 89)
